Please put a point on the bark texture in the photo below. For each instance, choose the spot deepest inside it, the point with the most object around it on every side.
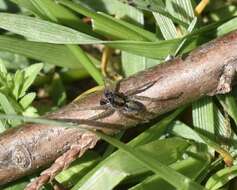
(208, 70)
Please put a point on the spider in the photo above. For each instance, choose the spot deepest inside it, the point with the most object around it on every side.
(126, 104)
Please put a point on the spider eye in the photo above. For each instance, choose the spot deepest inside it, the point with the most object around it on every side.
(107, 93)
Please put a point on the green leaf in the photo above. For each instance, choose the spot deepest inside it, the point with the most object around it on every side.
(174, 178)
(2, 126)
(18, 82)
(48, 9)
(229, 104)
(27, 100)
(121, 29)
(18, 185)
(114, 7)
(166, 26)
(50, 53)
(6, 105)
(87, 63)
(221, 178)
(190, 167)
(156, 131)
(155, 6)
(44, 6)
(181, 10)
(3, 69)
(78, 169)
(8, 108)
(119, 166)
(155, 50)
(31, 73)
(131, 63)
(183, 130)
(110, 26)
(204, 117)
(225, 134)
(227, 27)
(43, 31)
(28, 5)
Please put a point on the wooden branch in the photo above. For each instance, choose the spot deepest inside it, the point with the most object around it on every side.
(208, 70)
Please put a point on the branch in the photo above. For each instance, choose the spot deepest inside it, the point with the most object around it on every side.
(206, 71)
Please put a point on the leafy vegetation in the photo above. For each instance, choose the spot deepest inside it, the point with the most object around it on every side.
(42, 67)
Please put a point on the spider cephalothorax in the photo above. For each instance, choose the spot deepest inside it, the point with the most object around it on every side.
(115, 99)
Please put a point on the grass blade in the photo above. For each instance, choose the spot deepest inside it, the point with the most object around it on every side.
(54, 54)
(174, 178)
(42, 31)
(220, 178)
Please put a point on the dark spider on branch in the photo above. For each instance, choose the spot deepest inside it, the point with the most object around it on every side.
(127, 104)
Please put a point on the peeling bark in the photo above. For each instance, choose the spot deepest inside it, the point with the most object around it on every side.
(208, 70)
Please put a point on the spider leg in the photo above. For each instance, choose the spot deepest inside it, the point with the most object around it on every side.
(100, 107)
(130, 116)
(140, 89)
(117, 86)
(145, 98)
(102, 115)
(145, 117)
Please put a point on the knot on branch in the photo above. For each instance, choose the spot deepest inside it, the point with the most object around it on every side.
(21, 157)
(227, 77)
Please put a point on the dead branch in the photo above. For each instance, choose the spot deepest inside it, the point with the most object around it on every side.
(208, 70)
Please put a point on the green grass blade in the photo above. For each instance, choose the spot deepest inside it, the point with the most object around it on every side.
(114, 7)
(225, 134)
(155, 50)
(110, 26)
(131, 63)
(78, 169)
(204, 116)
(87, 63)
(174, 178)
(166, 26)
(121, 29)
(229, 104)
(221, 178)
(62, 15)
(29, 6)
(54, 54)
(156, 6)
(156, 131)
(190, 167)
(44, 6)
(119, 166)
(42, 31)
(181, 9)
(183, 130)
(227, 27)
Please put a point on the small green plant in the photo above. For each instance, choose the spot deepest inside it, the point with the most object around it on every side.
(14, 98)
